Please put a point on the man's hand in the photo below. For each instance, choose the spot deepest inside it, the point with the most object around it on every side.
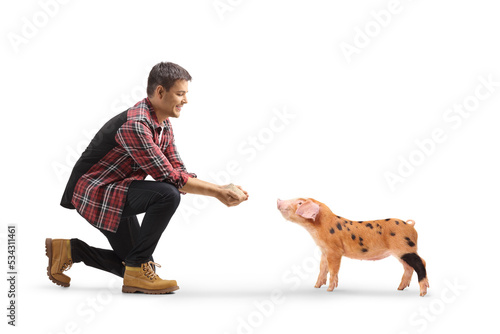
(230, 197)
(222, 193)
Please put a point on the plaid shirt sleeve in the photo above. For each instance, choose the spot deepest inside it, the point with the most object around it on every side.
(173, 155)
(137, 139)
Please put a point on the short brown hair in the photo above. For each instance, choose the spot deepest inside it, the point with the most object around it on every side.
(165, 74)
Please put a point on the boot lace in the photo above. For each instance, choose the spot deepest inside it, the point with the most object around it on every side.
(148, 270)
(67, 265)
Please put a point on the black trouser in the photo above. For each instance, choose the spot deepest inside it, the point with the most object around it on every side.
(133, 243)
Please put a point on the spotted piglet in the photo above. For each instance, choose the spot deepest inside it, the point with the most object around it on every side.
(362, 240)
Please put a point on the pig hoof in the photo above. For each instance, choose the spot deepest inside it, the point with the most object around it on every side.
(320, 283)
(332, 286)
(424, 284)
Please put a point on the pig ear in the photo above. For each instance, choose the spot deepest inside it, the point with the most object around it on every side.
(308, 210)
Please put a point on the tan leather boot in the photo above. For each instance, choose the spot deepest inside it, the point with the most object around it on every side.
(144, 279)
(59, 253)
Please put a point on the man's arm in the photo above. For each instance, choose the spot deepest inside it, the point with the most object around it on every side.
(200, 187)
(137, 139)
(172, 154)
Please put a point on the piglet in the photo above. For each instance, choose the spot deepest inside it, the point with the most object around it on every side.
(362, 240)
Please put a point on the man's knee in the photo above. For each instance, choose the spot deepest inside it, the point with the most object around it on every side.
(170, 194)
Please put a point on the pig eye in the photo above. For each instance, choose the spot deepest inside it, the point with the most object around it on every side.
(300, 203)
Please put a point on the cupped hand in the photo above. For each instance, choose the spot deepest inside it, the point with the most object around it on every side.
(230, 197)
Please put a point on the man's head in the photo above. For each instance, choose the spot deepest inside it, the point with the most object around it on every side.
(167, 89)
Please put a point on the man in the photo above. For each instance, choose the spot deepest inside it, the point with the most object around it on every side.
(108, 188)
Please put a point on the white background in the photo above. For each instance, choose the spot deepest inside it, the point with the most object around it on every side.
(351, 120)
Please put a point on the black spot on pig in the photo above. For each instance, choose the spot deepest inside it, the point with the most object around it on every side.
(410, 243)
(397, 223)
(348, 229)
(369, 225)
(332, 230)
(353, 237)
(361, 222)
(379, 232)
(361, 241)
(364, 250)
(339, 227)
(388, 219)
(393, 234)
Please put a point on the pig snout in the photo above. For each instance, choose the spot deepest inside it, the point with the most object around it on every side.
(283, 208)
(283, 205)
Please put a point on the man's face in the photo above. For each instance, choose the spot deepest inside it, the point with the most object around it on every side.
(172, 101)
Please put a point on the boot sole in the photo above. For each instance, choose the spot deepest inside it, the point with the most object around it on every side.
(131, 289)
(48, 252)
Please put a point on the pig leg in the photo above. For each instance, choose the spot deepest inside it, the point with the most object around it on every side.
(333, 268)
(405, 281)
(417, 263)
(424, 284)
(323, 272)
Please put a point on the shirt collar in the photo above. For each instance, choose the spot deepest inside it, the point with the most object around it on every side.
(153, 116)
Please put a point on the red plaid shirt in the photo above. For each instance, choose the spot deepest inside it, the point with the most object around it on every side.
(143, 147)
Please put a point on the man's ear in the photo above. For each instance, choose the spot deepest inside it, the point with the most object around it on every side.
(308, 210)
(160, 91)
